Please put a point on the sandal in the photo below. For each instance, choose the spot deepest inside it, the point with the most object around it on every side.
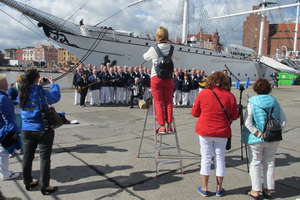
(267, 196)
(248, 192)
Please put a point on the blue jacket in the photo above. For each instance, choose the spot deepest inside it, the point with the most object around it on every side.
(31, 113)
(259, 116)
(8, 120)
(186, 86)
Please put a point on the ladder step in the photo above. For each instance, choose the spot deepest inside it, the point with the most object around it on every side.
(172, 133)
(165, 147)
(167, 162)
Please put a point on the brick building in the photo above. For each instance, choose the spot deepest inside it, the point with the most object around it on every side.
(207, 41)
(251, 31)
(48, 54)
(65, 58)
(275, 35)
(282, 35)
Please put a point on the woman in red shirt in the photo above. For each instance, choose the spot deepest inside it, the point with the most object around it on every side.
(213, 127)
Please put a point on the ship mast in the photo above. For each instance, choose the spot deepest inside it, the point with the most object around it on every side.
(185, 21)
(296, 28)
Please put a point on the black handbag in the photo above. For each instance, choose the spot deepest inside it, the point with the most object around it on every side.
(228, 144)
(51, 118)
(272, 130)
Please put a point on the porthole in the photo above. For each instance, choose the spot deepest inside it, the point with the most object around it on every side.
(246, 74)
(129, 40)
(196, 51)
(238, 74)
(254, 75)
(188, 50)
(180, 49)
(146, 43)
(203, 52)
(210, 53)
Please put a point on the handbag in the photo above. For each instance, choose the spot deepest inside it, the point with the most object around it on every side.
(272, 129)
(228, 144)
(51, 118)
(143, 104)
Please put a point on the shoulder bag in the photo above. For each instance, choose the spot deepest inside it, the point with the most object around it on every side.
(51, 118)
(228, 144)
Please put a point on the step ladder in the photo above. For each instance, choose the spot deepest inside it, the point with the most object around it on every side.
(159, 161)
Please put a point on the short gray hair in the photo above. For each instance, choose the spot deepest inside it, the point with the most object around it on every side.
(2, 77)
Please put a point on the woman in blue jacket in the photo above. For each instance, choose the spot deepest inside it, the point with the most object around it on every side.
(32, 99)
(261, 153)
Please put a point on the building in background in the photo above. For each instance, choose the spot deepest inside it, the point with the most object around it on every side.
(28, 55)
(65, 58)
(19, 54)
(45, 55)
(206, 41)
(10, 54)
(276, 36)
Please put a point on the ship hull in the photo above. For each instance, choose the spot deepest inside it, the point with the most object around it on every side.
(128, 50)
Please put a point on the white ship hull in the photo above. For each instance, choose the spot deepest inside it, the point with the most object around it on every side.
(128, 50)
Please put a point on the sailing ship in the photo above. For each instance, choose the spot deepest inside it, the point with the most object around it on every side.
(95, 44)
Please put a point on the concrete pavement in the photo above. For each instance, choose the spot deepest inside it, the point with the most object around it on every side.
(97, 159)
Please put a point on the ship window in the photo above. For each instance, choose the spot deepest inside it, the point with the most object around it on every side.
(196, 51)
(203, 52)
(146, 43)
(210, 53)
(238, 74)
(188, 49)
(180, 49)
(129, 40)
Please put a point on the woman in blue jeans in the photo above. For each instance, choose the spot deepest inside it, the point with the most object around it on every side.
(32, 99)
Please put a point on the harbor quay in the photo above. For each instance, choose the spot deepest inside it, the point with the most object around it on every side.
(97, 158)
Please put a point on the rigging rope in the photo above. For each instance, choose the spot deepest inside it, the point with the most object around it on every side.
(87, 54)
(22, 23)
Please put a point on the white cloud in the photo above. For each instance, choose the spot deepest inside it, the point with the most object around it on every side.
(145, 16)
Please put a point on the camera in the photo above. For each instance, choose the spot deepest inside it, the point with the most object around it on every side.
(44, 80)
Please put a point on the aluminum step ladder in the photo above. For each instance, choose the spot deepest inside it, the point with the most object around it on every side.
(159, 161)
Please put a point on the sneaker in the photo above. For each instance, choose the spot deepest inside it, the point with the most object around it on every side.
(162, 130)
(202, 192)
(220, 193)
(12, 176)
(170, 130)
(20, 152)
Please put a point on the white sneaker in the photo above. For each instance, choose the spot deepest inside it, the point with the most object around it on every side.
(12, 176)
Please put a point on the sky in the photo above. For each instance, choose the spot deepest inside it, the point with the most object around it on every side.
(144, 17)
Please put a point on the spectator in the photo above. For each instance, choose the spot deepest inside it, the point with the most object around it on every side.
(213, 127)
(261, 154)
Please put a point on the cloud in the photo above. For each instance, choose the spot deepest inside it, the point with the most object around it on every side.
(145, 16)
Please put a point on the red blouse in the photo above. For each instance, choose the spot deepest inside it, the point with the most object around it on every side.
(212, 121)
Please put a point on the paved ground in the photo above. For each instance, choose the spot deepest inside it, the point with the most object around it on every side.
(97, 159)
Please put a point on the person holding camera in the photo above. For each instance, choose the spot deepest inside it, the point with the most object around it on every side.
(213, 127)
(261, 153)
(32, 99)
(7, 124)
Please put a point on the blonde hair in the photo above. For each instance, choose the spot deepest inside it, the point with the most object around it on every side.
(162, 34)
